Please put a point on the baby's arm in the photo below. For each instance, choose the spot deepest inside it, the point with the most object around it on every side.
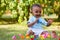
(49, 22)
(46, 23)
(32, 23)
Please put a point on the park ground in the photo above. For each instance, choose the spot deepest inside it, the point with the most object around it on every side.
(7, 31)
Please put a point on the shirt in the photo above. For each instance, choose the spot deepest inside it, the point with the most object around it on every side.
(39, 24)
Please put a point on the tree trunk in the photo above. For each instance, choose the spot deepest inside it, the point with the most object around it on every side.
(28, 9)
(59, 17)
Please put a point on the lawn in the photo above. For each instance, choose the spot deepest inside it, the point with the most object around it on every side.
(7, 31)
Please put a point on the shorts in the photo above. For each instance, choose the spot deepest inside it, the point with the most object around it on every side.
(36, 31)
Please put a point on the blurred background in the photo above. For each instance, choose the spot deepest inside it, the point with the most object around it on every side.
(14, 15)
(17, 11)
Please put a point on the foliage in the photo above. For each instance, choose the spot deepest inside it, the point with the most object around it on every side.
(20, 8)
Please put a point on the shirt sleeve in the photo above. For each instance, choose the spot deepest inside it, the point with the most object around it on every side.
(30, 20)
(43, 21)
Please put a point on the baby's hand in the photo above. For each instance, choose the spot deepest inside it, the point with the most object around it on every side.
(37, 19)
(50, 21)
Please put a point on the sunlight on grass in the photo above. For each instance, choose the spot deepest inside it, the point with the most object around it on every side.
(7, 31)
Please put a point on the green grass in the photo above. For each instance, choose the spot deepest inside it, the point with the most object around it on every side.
(7, 31)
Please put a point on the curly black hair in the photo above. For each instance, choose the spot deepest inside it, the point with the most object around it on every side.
(36, 5)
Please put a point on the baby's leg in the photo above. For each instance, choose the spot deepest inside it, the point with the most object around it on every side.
(45, 34)
(30, 32)
(53, 34)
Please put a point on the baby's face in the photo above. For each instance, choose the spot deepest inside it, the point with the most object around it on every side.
(36, 11)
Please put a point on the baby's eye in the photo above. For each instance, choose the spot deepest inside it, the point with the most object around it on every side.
(39, 11)
(36, 11)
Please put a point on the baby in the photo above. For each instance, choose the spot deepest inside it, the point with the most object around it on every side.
(36, 22)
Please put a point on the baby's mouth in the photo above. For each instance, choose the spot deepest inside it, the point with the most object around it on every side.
(38, 15)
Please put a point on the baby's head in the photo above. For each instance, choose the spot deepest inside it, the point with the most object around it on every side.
(36, 10)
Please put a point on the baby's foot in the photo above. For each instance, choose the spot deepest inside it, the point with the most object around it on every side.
(54, 35)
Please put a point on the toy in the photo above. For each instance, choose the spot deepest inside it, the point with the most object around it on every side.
(31, 37)
(14, 37)
(21, 36)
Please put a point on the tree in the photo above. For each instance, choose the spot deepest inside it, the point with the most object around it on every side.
(20, 9)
